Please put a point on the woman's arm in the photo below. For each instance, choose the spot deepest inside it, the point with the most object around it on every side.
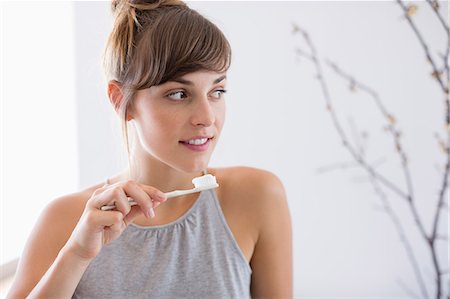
(272, 258)
(71, 232)
(43, 258)
(62, 278)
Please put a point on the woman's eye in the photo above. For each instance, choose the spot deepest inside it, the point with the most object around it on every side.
(177, 95)
(218, 93)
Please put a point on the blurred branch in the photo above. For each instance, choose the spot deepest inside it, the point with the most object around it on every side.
(445, 89)
(401, 232)
(341, 165)
(313, 57)
(435, 6)
(409, 11)
(358, 151)
(360, 138)
(395, 133)
(375, 176)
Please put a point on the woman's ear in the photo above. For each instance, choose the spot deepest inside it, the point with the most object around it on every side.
(115, 95)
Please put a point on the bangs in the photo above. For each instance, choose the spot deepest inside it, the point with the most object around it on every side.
(180, 42)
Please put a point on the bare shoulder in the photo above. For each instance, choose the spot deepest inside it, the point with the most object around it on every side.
(254, 184)
(57, 220)
(257, 191)
(65, 210)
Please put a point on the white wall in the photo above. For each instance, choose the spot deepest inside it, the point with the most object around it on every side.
(276, 119)
(39, 158)
(99, 132)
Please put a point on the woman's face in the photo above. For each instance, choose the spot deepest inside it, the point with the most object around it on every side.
(169, 115)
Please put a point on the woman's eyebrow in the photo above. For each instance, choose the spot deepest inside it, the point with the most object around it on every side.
(187, 82)
(220, 79)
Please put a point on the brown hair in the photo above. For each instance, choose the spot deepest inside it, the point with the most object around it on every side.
(153, 42)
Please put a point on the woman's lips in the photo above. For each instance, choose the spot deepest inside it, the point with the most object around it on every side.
(197, 148)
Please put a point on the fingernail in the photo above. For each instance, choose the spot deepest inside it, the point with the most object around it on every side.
(156, 203)
(151, 213)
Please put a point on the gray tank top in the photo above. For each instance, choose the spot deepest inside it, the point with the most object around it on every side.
(195, 256)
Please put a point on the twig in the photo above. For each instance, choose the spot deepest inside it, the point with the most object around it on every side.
(435, 7)
(359, 85)
(359, 144)
(433, 237)
(374, 175)
(396, 137)
(391, 124)
(406, 244)
(441, 238)
(341, 165)
(446, 91)
(423, 44)
(337, 125)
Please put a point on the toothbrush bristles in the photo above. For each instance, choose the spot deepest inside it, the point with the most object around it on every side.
(206, 180)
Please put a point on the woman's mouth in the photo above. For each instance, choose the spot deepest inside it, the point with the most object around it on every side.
(198, 144)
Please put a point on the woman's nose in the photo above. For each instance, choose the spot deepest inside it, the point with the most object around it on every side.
(203, 113)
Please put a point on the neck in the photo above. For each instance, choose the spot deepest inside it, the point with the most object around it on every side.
(148, 170)
(162, 176)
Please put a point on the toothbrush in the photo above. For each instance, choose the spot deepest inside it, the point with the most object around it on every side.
(201, 183)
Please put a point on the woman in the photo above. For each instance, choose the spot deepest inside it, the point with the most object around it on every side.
(166, 65)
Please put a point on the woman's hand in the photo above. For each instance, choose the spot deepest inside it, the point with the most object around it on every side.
(97, 228)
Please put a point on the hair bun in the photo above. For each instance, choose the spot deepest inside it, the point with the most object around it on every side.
(118, 5)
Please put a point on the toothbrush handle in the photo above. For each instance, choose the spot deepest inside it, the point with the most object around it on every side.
(168, 195)
(176, 193)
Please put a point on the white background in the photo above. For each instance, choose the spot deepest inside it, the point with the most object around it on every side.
(59, 133)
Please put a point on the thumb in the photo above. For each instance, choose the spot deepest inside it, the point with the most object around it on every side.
(134, 212)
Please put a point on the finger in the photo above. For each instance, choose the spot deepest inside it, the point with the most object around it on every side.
(141, 197)
(117, 227)
(134, 212)
(100, 190)
(102, 219)
(111, 195)
(154, 193)
(120, 199)
(110, 233)
(101, 197)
